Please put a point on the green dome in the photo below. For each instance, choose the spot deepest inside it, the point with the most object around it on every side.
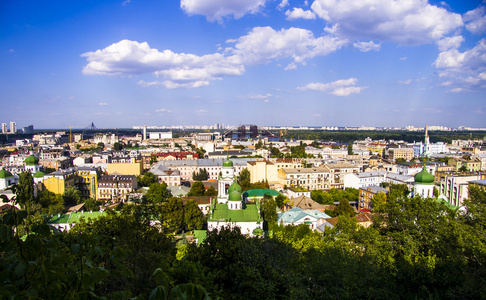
(227, 163)
(31, 160)
(39, 174)
(424, 177)
(234, 196)
(5, 174)
(234, 187)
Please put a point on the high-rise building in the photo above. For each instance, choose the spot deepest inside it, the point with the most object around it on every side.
(28, 129)
(13, 127)
(4, 128)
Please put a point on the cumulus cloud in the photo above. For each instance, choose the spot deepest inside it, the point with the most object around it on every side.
(464, 70)
(299, 13)
(408, 81)
(102, 104)
(127, 58)
(367, 46)
(476, 20)
(408, 22)
(283, 4)
(261, 96)
(216, 10)
(453, 42)
(264, 44)
(181, 70)
(343, 87)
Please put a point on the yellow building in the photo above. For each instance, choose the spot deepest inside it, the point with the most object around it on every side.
(131, 168)
(60, 180)
(88, 182)
(262, 170)
(396, 153)
(471, 165)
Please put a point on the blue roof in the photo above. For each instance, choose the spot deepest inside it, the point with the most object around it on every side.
(296, 214)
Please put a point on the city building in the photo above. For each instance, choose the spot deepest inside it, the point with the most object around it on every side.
(297, 216)
(307, 178)
(263, 170)
(424, 184)
(13, 127)
(455, 187)
(4, 128)
(366, 195)
(7, 179)
(403, 153)
(116, 188)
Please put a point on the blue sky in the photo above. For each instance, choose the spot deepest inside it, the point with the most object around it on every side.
(201, 62)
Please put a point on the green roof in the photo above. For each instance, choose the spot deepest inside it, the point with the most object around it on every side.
(200, 235)
(31, 160)
(227, 163)
(39, 174)
(234, 187)
(5, 173)
(234, 196)
(424, 177)
(74, 217)
(260, 193)
(223, 214)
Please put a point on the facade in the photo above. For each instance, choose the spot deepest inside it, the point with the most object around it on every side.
(412, 168)
(470, 165)
(396, 153)
(7, 179)
(59, 181)
(13, 127)
(366, 195)
(132, 167)
(263, 170)
(116, 188)
(164, 174)
(307, 178)
(88, 182)
(160, 135)
(456, 187)
(4, 128)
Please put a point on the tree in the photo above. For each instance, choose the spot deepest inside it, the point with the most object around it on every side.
(193, 216)
(51, 203)
(259, 144)
(344, 208)
(281, 200)
(211, 191)
(101, 145)
(269, 209)
(146, 179)
(173, 214)
(153, 159)
(25, 191)
(350, 148)
(72, 196)
(244, 175)
(201, 175)
(436, 192)
(117, 146)
(197, 189)
(379, 201)
(157, 193)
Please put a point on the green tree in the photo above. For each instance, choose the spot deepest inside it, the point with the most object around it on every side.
(173, 214)
(193, 216)
(100, 145)
(211, 191)
(197, 189)
(153, 159)
(25, 192)
(350, 148)
(269, 209)
(378, 202)
(244, 175)
(281, 200)
(146, 179)
(157, 193)
(72, 196)
(117, 146)
(201, 175)
(344, 208)
(51, 203)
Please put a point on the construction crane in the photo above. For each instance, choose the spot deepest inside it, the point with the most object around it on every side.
(70, 133)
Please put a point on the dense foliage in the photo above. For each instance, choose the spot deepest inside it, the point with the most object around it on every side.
(415, 249)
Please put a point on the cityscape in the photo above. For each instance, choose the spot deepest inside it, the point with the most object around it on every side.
(249, 149)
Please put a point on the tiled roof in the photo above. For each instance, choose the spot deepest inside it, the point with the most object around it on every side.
(296, 214)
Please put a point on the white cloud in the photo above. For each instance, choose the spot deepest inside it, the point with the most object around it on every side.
(264, 44)
(163, 110)
(367, 46)
(102, 104)
(11, 51)
(476, 20)
(201, 111)
(447, 43)
(457, 90)
(216, 10)
(406, 22)
(343, 87)
(127, 58)
(261, 96)
(403, 58)
(408, 81)
(299, 13)
(283, 4)
(464, 70)
(126, 2)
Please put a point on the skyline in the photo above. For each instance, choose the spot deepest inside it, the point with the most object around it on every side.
(318, 63)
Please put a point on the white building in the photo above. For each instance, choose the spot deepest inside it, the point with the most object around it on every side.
(13, 127)
(160, 135)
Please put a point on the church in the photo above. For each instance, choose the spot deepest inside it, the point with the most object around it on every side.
(230, 209)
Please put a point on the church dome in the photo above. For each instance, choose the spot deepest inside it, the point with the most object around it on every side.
(234, 196)
(31, 160)
(5, 173)
(39, 174)
(424, 177)
(234, 187)
(227, 163)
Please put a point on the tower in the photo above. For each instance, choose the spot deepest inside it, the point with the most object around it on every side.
(144, 137)
(226, 178)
